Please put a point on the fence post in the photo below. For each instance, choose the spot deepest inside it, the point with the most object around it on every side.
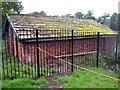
(17, 54)
(37, 45)
(116, 48)
(98, 42)
(17, 47)
(72, 51)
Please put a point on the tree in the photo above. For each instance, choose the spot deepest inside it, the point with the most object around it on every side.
(119, 24)
(10, 7)
(114, 22)
(68, 15)
(0, 10)
(89, 15)
(35, 13)
(79, 15)
(104, 19)
(18, 7)
(0, 15)
(42, 13)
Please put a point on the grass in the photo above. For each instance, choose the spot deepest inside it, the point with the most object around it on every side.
(105, 61)
(0, 84)
(19, 69)
(85, 79)
(25, 70)
(24, 83)
(28, 73)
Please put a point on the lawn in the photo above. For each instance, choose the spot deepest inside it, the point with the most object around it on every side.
(86, 79)
(77, 79)
(24, 83)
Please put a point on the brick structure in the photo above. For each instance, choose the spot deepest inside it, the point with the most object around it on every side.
(26, 51)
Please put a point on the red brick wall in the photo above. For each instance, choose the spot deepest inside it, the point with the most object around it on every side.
(27, 51)
(56, 48)
(10, 41)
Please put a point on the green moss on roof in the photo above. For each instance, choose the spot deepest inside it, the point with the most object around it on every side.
(57, 23)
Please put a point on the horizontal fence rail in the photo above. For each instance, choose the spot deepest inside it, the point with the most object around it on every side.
(35, 53)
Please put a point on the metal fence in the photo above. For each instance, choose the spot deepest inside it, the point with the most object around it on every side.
(36, 53)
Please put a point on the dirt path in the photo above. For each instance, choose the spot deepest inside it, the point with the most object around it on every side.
(53, 82)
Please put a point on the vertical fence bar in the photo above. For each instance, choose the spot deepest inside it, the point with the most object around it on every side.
(14, 55)
(6, 53)
(60, 50)
(37, 43)
(28, 58)
(116, 49)
(35, 61)
(32, 52)
(65, 52)
(16, 47)
(3, 52)
(41, 54)
(72, 51)
(11, 58)
(56, 51)
(47, 66)
(24, 50)
(104, 44)
(98, 42)
(43, 57)
(55, 33)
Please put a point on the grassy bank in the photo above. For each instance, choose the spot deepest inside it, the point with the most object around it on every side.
(86, 79)
(24, 83)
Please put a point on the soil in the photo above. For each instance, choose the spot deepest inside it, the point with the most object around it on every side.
(53, 82)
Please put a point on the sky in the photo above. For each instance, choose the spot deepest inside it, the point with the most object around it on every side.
(63, 7)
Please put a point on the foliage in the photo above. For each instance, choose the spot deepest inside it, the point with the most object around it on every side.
(86, 79)
(89, 15)
(110, 62)
(42, 13)
(119, 23)
(11, 7)
(114, 22)
(106, 61)
(104, 19)
(110, 21)
(79, 15)
(0, 10)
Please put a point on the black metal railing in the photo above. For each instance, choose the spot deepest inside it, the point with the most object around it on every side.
(30, 54)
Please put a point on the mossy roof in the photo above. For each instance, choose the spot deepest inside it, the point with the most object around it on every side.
(29, 22)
